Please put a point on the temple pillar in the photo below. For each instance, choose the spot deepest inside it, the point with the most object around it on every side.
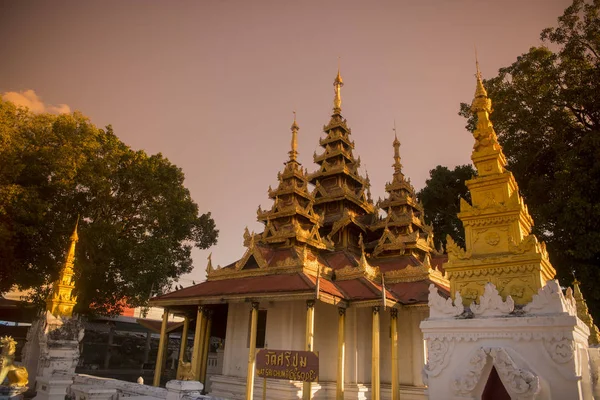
(375, 389)
(160, 357)
(339, 391)
(394, 349)
(252, 352)
(184, 334)
(198, 342)
(205, 347)
(309, 346)
(111, 334)
(147, 347)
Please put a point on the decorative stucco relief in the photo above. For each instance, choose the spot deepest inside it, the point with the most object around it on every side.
(438, 356)
(550, 300)
(491, 303)
(440, 307)
(519, 382)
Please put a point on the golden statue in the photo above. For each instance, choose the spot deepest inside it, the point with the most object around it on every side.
(184, 371)
(17, 376)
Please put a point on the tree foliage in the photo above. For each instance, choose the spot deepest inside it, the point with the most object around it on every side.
(441, 201)
(138, 222)
(547, 116)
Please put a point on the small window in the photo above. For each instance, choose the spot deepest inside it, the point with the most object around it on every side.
(261, 329)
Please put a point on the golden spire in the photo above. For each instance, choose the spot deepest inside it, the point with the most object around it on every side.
(481, 102)
(61, 301)
(584, 315)
(337, 100)
(294, 152)
(397, 166)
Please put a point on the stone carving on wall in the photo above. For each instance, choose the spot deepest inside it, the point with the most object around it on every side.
(520, 383)
(550, 300)
(561, 349)
(491, 304)
(438, 356)
(440, 307)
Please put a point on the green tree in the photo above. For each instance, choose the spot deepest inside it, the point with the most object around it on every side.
(138, 221)
(547, 116)
(441, 201)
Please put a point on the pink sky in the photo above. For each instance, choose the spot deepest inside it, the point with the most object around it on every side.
(212, 84)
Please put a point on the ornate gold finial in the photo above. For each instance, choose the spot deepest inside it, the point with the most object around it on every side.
(61, 300)
(337, 100)
(481, 102)
(294, 152)
(397, 165)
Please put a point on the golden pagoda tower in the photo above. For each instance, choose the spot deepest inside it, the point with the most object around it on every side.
(291, 220)
(403, 231)
(61, 300)
(499, 245)
(341, 193)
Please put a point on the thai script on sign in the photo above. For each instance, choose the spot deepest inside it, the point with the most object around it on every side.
(288, 364)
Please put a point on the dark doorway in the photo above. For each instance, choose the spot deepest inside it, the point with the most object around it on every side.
(494, 389)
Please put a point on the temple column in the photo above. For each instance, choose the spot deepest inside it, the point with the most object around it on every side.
(339, 392)
(394, 346)
(375, 356)
(160, 357)
(198, 342)
(147, 347)
(205, 347)
(184, 334)
(309, 346)
(111, 334)
(252, 352)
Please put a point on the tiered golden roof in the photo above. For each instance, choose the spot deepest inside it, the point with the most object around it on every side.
(499, 245)
(403, 230)
(320, 234)
(291, 220)
(341, 193)
(61, 300)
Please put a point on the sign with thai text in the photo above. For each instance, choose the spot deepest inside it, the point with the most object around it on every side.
(288, 364)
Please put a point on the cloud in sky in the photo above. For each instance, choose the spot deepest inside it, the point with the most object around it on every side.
(31, 100)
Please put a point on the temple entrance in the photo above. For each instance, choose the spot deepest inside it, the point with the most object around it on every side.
(494, 388)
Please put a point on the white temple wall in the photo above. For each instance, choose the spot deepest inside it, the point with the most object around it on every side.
(286, 322)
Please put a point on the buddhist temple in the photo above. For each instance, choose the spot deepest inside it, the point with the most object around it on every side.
(360, 283)
(327, 253)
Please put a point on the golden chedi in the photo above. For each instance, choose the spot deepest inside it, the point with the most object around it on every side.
(61, 300)
(499, 245)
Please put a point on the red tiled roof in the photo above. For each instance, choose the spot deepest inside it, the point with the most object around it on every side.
(326, 286)
(413, 292)
(248, 285)
(339, 259)
(362, 289)
(386, 264)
